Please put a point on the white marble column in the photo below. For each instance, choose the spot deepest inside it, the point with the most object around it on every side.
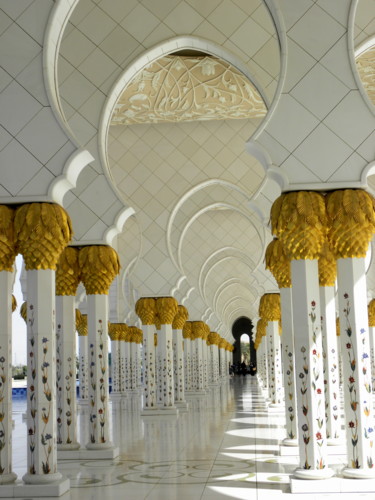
(371, 322)
(277, 386)
(122, 354)
(355, 345)
(165, 374)
(186, 332)
(198, 330)
(149, 364)
(309, 371)
(66, 373)
(41, 380)
(114, 335)
(6, 285)
(287, 340)
(83, 360)
(99, 421)
(178, 361)
(331, 365)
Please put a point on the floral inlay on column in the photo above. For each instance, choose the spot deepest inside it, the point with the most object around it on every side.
(351, 229)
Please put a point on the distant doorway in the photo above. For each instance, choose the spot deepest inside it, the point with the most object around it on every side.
(242, 331)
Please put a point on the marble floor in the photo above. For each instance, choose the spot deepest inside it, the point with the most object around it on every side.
(226, 446)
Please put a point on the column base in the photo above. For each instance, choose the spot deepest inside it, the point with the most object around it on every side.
(335, 442)
(290, 442)
(85, 454)
(159, 411)
(69, 447)
(195, 394)
(20, 490)
(182, 406)
(313, 474)
(358, 473)
(115, 396)
(276, 408)
(8, 478)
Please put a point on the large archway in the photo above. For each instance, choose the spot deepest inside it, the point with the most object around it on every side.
(241, 326)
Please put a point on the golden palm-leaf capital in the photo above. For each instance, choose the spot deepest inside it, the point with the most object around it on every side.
(23, 311)
(181, 317)
(278, 263)
(117, 330)
(371, 313)
(299, 220)
(187, 330)
(222, 343)
(327, 266)
(351, 219)
(7, 239)
(42, 231)
(78, 317)
(146, 310)
(82, 326)
(269, 307)
(68, 272)
(14, 303)
(262, 327)
(166, 308)
(198, 329)
(99, 266)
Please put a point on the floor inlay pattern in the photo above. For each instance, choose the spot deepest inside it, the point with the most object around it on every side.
(225, 447)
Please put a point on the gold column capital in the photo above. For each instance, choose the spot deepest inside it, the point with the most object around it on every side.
(371, 313)
(278, 263)
(222, 343)
(181, 317)
(351, 219)
(146, 310)
(14, 303)
(7, 239)
(262, 327)
(82, 326)
(197, 329)
(269, 307)
(214, 338)
(327, 266)
(99, 266)
(187, 330)
(299, 220)
(68, 272)
(166, 308)
(78, 317)
(117, 330)
(23, 311)
(42, 231)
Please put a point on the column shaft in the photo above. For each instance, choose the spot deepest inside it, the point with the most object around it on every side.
(6, 474)
(83, 368)
(41, 380)
(309, 370)
(331, 364)
(277, 386)
(66, 373)
(288, 364)
(359, 416)
(149, 400)
(97, 306)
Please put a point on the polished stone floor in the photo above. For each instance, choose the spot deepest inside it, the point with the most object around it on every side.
(226, 446)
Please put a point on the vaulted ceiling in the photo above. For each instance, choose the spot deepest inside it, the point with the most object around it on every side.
(183, 111)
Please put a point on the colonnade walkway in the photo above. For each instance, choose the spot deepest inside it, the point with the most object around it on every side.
(225, 446)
